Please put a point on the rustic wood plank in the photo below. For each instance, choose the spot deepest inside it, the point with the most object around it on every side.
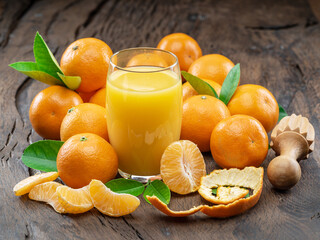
(277, 44)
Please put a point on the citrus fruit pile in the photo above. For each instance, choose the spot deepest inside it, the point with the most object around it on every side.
(234, 130)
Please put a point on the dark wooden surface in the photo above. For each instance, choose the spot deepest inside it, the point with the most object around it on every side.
(278, 46)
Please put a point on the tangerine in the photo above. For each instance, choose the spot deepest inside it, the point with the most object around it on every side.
(188, 91)
(201, 113)
(239, 141)
(85, 118)
(183, 46)
(99, 97)
(86, 96)
(147, 59)
(212, 66)
(48, 109)
(255, 101)
(89, 59)
(84, 157)
(182, 166)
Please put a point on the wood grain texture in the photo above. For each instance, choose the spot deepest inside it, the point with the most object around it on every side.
(278, 46)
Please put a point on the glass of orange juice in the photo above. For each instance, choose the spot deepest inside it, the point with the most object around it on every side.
(144, 108)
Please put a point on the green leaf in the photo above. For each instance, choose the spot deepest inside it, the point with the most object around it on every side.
(159, 189)
(282, 113)
(202, 87)
(122, 185)
(246, 196)
(214, 191)
(31, 69)
(72, 82)
(44, 57)
(42, 155)
(230, 84)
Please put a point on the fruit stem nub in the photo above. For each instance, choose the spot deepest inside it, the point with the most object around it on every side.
(83, 138)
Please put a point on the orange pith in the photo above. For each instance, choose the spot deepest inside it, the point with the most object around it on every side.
(85, 118)
(24, 186)
(239, 141)
(183, 46)
(182, 165)
(110, 203)
(255, 101)
(48, 109)
(84, 157)
(74, 200)
(46, 192)
(212, 66)
(156, 202)
(201, 113)
(226, 195)
(89, 59)
(249, 177)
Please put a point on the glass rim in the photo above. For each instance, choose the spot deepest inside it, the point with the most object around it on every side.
(146, 48)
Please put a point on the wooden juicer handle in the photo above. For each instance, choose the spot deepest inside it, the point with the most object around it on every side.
(293, 140)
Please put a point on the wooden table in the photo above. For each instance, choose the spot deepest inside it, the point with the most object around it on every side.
(278, 46)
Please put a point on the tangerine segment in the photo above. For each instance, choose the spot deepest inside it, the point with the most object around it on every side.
(75, 200)
(24, 186)
(111, 203)
(46, 192)
(157, 203)
(249, 177)
(182, 166)
(226, 195)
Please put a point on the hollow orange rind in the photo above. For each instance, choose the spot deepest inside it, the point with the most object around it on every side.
(157, 203)
(226, 195)
(249, 178)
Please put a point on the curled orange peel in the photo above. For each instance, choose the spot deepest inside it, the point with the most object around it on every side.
(157, 203)
(249, 177)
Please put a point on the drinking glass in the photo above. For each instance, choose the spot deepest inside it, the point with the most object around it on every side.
(144, 108)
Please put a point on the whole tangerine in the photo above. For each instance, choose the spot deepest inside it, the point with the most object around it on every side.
(84, 157)
(86, 95)
(147, 59)
(239, 141)
(99, 97)
(89, 59)
(255, 101)
(183, 46)
(212, 66)
(48, 109)
(188, 91)
(201, 113)
(85, 118)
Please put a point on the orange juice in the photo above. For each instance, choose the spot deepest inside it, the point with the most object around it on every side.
(144, 111)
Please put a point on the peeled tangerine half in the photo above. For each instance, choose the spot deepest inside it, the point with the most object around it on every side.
(46, 192)
(24, 186)
(182, 166)
(111, 203)
(232, 186)
(75, 200)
